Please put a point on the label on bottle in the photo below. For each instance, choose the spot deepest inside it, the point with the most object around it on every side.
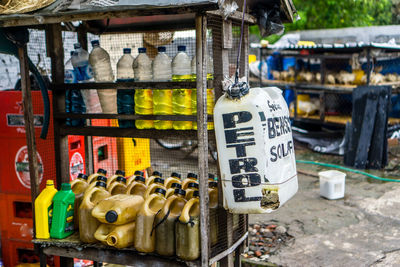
(84, 72)
(69, 223)
(70, 76)
(50, 214)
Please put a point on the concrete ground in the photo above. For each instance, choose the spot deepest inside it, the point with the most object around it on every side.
(363, 229)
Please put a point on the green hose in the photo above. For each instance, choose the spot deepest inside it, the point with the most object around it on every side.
(347, 169)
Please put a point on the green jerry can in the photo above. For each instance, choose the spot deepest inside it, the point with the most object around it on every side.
(63, 213)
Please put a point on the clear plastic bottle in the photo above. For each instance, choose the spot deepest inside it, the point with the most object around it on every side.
(143, 97)
(162, 99)
(101, 64)
(125, 98)
(181, 98)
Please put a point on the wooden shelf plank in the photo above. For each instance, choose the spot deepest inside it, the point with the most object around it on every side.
(129, 117)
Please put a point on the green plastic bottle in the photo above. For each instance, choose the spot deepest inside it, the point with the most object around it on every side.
(63, 213)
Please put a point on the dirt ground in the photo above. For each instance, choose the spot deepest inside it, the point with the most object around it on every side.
(363, 229)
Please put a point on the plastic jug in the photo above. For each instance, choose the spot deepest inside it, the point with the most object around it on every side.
(213, 206)
(118, 209)
(211, 177)
(145, 236)
(174, 178)
(98, 179)
(165, 223)
(191, 188)
(133, 177)
(118, 187)
(213, 195)
(155, 175)
(119, 236)
(44, 210)
(191, 178)
(100, 61)
(118, 173)
(78, 186)
(171, 190)
(187, 230)
(87, 223)
(143, 97)
(62, 224)
(93, 177)
(255, 150)
(138, 187)
(162, 99)
(125, 98)
(158, 183)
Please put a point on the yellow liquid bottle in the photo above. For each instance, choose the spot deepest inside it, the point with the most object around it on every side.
(188, 231)
(192, 187)
(213, 205)
(165, 223)
(182, 105)
(144, 106)
(155, 175)
(158, 183)
(118, 187)
(92, 177)
(162, 100)
(118, 209)
(87, 223)
(171, 190)
(133, 177)
(44, 210)
(119, 236)
(174, 178)
(191, 178)
(78, 186)
(138, 187)
(210, 106)
(211, 177)
(213, 194)
(98, 179)
(117, 174)
(145, 237)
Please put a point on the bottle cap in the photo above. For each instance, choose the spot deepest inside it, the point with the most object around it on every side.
(102, 184)
(142, 50)
(159, 180)
(176, 175)
(77, 45)
(212, 184)
(180, 192)
(102, 171)
(49, 182)
(196, 193)
(157, 173)
(95, 42)
(127, 50)
(111, 216)
(121, 179)
(160, 191)
(181, 48)
(140, 178)
(71, 53)
(161, 49)
(211, 176)
(83, 176)
(119, 172)
(193, 185)
(65, 186)
(138, 173)
(176, 185)
(101, 178)
(192, 175)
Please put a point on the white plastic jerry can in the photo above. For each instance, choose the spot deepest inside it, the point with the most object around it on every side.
(255, 151)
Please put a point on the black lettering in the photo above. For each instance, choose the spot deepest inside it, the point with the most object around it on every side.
(241, 148)
(283, 149)
(279, 149)
(273, 154)
(290, 145)
(240, 196)
(271, 129)
(246, 164)
(289, 124)
(246, 180)
(231, 119)
(276, 126)
(262, 116)
(232, 136)
(282, 124)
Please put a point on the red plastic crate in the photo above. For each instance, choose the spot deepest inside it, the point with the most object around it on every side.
(76, 145)
(105, 154)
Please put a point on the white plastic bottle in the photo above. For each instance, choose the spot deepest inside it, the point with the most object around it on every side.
(143, 97)
(181, 98)
(125, 98)
(70, 75)
(101, 64)
(162, 99)
(124, 66)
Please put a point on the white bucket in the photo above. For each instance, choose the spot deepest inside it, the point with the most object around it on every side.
(332, 184)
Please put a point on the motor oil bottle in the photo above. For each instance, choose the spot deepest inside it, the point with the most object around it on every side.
(118, 173)
(78, 186)
(92, 177)
(165, 223)
(138, 187)
(213, 194)
(98, 179)
(155, 175)
(211, 177)
(103, 231)
(158, 183)
(192, 187)
(191, 178)
(213, 205)
(87, 223)
(44, 210)
(171, 190)
(145, 236)
(62, 224)
(187, 230)
(174, 178)
(119, 236)
(119, 209)
(133, 177)
(118, 187)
